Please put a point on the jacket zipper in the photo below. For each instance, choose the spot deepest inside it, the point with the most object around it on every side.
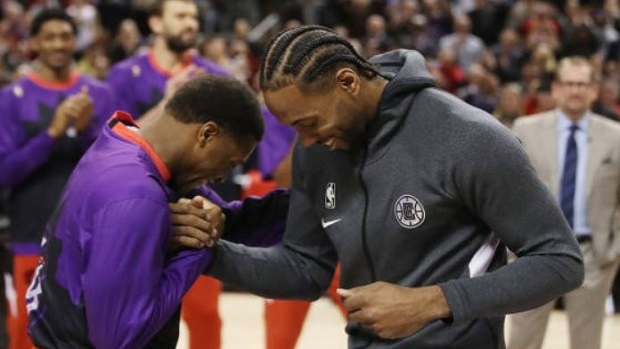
(365, 248)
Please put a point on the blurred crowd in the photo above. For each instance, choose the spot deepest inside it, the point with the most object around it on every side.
(498, 55)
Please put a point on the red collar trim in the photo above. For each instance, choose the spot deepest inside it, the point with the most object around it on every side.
(187, 60)
(120, 127)
(54, 85)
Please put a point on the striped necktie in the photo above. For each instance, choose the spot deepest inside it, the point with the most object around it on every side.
(568, 181)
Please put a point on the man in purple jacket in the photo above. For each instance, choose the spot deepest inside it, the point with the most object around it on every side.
(48, 118)
(107, 278)
(143, 83)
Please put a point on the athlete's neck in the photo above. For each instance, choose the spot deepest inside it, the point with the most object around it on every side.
(168, 60)
(161, 133)
(58, 76)
(372, 96)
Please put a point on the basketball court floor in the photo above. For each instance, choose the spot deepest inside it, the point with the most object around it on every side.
(242, 315)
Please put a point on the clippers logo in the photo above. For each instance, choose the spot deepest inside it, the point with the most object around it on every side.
(330, 196)
(409, 211)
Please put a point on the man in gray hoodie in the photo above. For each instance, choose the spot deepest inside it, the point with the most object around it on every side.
(414, 191)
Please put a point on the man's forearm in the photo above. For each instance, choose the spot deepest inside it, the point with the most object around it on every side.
(526, 283)
(274, 272)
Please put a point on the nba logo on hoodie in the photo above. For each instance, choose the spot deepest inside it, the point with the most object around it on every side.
(330, 196)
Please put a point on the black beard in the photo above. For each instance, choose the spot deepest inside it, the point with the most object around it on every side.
(177, 45)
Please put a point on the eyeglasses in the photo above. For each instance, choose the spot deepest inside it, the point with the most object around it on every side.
(575, 84)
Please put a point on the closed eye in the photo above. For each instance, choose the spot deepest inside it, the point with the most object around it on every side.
(304, 124)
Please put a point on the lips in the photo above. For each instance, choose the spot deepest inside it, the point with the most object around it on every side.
(329, 143)
(58, 54)
(189, 34)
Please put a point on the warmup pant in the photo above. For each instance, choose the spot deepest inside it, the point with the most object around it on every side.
(284, 319)
(200, 311)
(17, 322)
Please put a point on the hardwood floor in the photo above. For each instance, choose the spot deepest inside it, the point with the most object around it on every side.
(242, 315)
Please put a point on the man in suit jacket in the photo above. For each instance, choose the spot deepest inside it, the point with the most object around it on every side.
(585, 177)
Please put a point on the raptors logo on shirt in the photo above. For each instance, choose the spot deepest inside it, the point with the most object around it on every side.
(409, 211)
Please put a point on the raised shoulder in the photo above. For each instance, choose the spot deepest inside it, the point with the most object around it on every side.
(119, 170)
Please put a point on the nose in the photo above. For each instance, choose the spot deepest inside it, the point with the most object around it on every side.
(59, 43)
(191, 22)
(308, 139)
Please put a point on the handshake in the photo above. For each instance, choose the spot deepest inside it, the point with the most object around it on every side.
(196, 223)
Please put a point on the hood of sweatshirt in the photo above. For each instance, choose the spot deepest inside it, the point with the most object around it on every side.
(407, 75)
(406, 70)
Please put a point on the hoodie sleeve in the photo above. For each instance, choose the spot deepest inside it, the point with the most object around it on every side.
(302, 267)
(254, 221)
(130, 289)
(500, 185)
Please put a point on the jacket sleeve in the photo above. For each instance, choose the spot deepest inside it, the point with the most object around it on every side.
(498, 183)
(301, 268)
(130, 288)
(19, 157)
(254, 221)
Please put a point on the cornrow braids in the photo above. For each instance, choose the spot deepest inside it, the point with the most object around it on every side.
(281, 43)
(306, 54)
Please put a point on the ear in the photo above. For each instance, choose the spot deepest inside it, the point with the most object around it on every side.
(596, 88)
(348, 80)
(555, 89)
(155, 23)
(207, 131)
(33, 44)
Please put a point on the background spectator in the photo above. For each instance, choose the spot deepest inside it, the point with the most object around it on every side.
(510, 104)
(127, 42)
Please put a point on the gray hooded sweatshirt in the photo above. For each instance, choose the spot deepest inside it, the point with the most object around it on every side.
(433, 197)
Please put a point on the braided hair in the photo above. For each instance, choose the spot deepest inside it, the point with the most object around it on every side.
(307, 54)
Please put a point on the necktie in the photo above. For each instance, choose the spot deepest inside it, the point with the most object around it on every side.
(569, 174)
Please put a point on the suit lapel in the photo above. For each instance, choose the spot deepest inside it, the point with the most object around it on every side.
(549, 136)
(596, 152)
